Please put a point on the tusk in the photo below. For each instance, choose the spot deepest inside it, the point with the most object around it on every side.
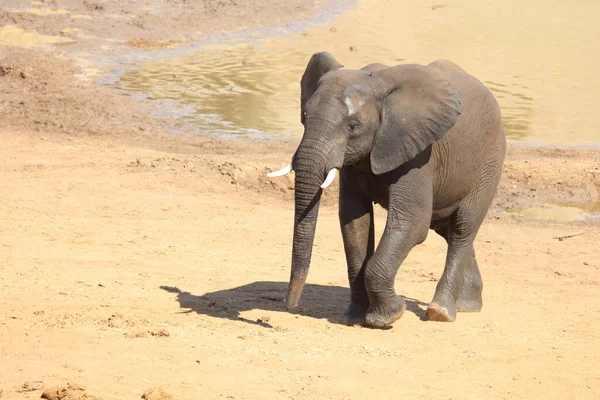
(283, 171)
(330, 178)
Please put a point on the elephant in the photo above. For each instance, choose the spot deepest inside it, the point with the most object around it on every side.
(426, 142)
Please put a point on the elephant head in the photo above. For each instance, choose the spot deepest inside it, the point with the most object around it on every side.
(385, 115)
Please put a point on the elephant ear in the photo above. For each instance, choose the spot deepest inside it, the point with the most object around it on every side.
(419, 106)
(319, 65)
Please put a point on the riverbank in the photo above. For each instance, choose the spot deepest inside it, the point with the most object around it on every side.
(41, 99)
(135, 259)
(153, 24)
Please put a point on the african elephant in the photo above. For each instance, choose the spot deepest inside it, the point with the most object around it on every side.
(427, 144)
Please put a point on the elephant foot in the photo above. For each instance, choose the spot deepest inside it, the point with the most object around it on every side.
(469, 305)
(442, 313)
(355, 314)
(386, 312)
(469, 299)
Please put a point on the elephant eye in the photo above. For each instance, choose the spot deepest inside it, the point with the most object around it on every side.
(303, 117)
(352, 126)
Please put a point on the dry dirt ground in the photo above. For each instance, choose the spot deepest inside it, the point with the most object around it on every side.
(150, 23)
(134, 262)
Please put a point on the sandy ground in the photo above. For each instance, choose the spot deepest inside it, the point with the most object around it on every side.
(132, 259)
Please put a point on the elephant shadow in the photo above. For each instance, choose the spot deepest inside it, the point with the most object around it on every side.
(318, 301)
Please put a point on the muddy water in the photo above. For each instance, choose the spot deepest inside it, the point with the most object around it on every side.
(541, 59)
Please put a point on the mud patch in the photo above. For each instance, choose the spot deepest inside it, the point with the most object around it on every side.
(553, 212)
(592, 207)
(47, 11)
(12, 35)
(153, 44)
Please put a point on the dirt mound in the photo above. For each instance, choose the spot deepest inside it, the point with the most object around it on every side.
(31, 386)
(156, 394)
(118, 320)
(70, 392)
(39, 94)
(143, 334)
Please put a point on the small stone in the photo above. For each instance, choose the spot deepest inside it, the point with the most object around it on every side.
(333, 29)
(264, 319)
(22, 74)
(160, 333)
(353, 48)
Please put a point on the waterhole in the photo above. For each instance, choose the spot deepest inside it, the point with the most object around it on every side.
(540, 58)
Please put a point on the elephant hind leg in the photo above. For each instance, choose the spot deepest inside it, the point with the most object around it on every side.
(469, 297)
(469, 294)
(460, 286)
(451, 295)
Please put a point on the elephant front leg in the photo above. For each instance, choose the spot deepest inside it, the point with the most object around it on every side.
(356, 221)
(385, 306)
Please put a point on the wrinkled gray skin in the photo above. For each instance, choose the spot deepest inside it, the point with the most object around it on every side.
(427, 144)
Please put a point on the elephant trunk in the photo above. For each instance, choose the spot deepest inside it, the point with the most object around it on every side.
(310, 174)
